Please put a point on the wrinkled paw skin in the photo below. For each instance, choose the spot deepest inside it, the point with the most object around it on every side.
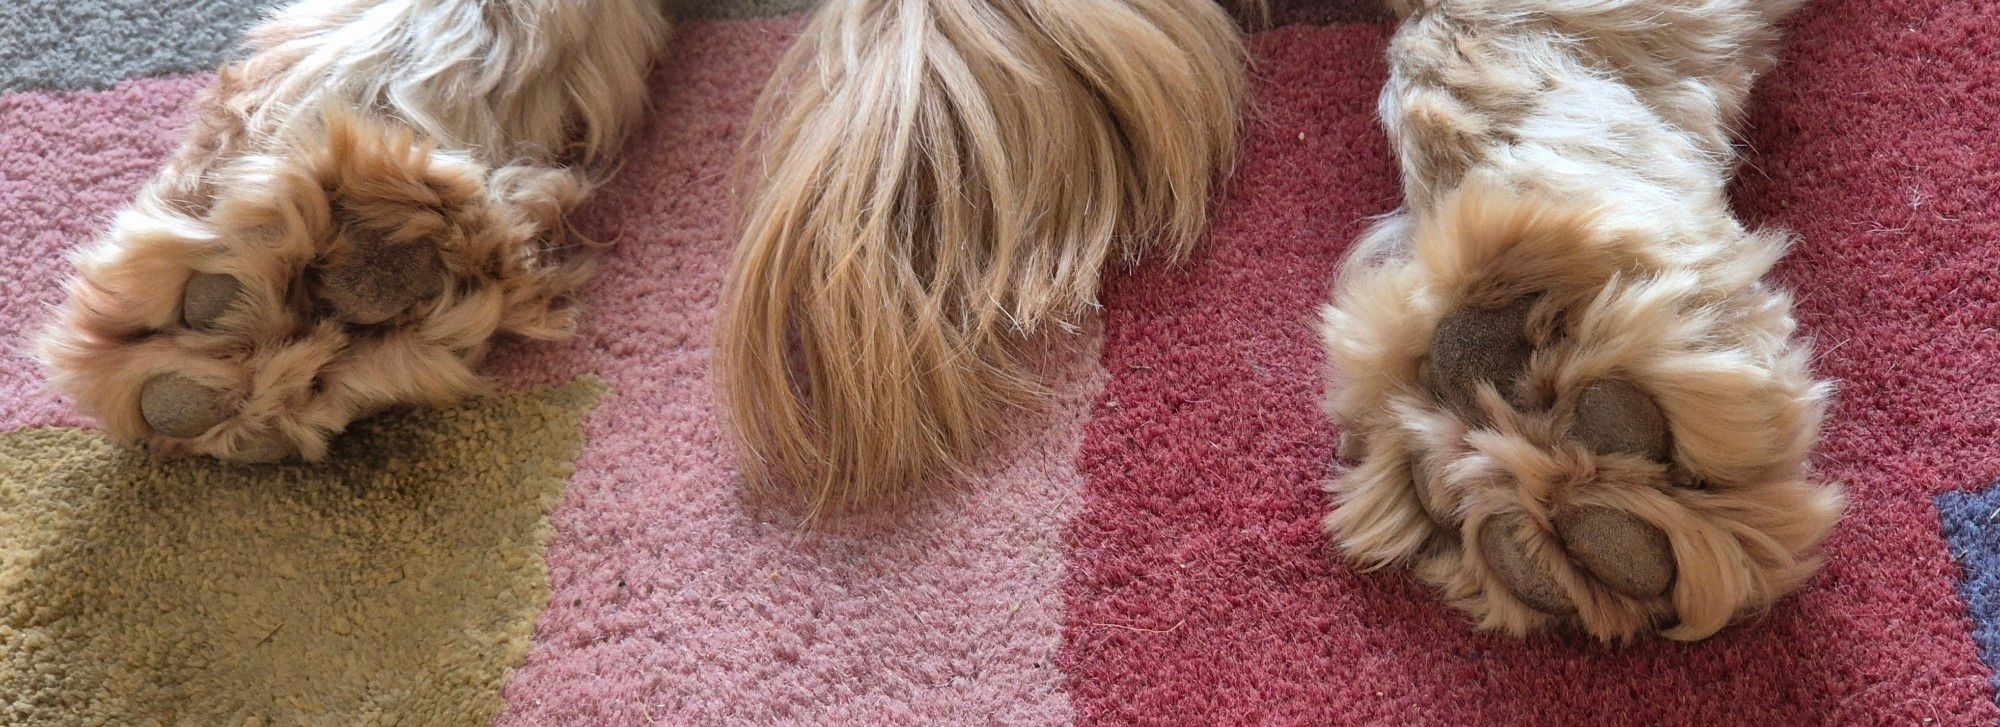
(325, 280)
(1559, 425)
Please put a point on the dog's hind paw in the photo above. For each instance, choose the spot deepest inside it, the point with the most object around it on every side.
(1564, 421)
(325, 280)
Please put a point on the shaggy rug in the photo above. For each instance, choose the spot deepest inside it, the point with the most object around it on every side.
(575, 551)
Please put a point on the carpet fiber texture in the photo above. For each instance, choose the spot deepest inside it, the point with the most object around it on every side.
(397, 583)
(1143, 551)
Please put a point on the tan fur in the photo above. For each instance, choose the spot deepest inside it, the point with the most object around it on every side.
(459, 128)
(938, 181)
(1578, 151)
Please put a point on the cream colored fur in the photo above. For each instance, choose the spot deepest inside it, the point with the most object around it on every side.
(939, 181)
(1579, 151)
(463, 129)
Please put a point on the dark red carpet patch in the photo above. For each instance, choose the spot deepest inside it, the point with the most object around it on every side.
(1200, 587)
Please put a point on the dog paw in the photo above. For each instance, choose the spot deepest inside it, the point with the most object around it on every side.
(1568, 422)
(326, 280)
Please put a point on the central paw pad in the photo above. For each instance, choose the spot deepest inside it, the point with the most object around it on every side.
(371, 283)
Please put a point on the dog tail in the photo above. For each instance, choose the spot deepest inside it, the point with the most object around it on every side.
(938, 180)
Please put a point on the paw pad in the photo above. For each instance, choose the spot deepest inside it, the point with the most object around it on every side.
(206, 297)
(1628, 554)
(1500, 540)
(1478, 344)
(177, 406)
(1611, 417)
(1615, 417)
(376, 282)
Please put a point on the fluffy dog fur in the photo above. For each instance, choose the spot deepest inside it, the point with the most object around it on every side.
(939, 181)
(361, 206)
(1565, 227)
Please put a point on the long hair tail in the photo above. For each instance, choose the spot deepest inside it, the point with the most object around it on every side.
(936, 181)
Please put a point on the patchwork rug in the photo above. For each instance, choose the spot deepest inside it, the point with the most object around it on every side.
(575, 549)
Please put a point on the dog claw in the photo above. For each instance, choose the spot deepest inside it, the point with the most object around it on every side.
(206, 297)
(1516, 572)
(1471, 344)
(176, 406)
(1624, 552)
(1615, 417)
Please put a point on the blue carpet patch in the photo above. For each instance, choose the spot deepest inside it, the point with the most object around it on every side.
(1971, 522)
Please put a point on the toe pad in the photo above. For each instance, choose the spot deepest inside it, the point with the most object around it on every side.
(176, 406)
(1615, 417)
(206, 297)
(1624, 552)
(1520, 575)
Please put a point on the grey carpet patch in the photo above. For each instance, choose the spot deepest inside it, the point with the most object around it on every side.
(87, 44)
(69, 45)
